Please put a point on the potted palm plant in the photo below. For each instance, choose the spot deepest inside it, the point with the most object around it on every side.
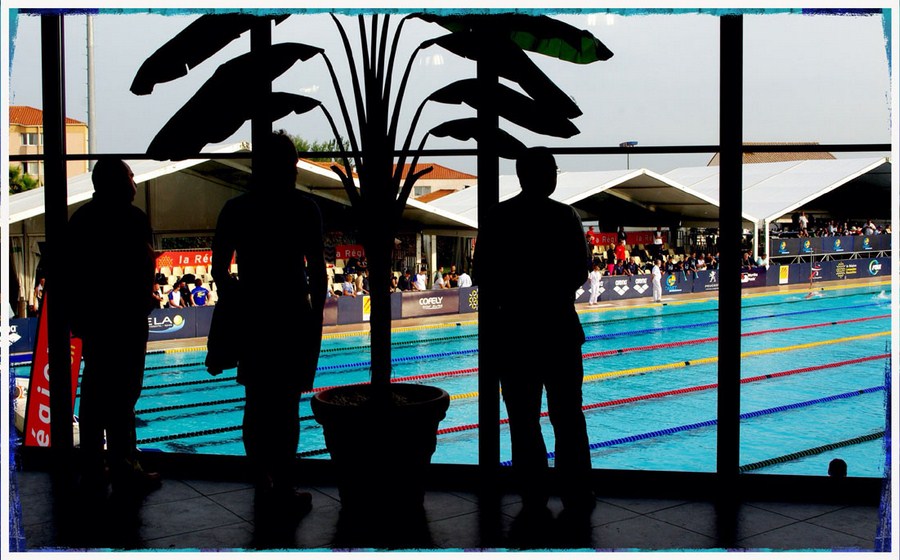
(378, 431)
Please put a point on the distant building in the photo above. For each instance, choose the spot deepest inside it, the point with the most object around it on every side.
(440, 181)
(26, 137)
(772, 157)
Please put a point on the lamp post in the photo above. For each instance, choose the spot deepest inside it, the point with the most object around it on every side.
(628, 144)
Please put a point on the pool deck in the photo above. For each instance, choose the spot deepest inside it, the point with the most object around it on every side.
(189, 514)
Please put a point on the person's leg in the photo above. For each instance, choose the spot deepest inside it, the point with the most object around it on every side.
(564, 404)
(522, 396)
(122, 384)
(90, 418)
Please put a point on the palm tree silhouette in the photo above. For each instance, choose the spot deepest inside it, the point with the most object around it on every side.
(496, 41)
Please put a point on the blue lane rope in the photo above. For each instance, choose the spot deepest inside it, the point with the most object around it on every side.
(713, 422)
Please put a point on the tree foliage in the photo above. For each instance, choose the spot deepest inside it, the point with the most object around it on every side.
(19, 181)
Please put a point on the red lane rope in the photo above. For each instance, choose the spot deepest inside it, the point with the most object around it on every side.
(604, 353)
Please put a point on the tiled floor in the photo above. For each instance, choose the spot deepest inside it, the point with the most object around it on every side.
(200, 515)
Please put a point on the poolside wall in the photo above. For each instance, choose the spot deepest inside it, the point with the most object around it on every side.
(193, 322)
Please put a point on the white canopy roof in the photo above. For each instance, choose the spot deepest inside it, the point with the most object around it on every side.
(311, 178)
(770, 190)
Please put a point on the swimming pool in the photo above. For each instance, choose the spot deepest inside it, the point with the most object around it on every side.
(813, 386)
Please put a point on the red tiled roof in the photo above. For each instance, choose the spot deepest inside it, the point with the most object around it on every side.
(435, 195)
(326, 164)
(439, 172)
(771, 157)
(29, 116)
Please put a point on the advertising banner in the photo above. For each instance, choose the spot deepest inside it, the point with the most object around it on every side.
(167, 324)
(878, 267)
(631, 237)
(677, 283)
(706, 281)
(22, 335)
(754, 277)
(641, 285)
(431, 302)
(183, 258)
(468, 299)
(616, 288)
(37, 409)
(347, 251)
(871, 243)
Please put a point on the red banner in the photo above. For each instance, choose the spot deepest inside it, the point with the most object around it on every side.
(631, 237)
(348, 251)
(37, 409)
(183, 258)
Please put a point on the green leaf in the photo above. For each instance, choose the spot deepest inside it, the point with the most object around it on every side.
(194, 44)
(539, 34)
(513, 64)
(511, 105)
(467, 129)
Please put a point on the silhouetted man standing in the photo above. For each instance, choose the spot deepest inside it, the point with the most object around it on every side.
(273, 224)
(544, 331)
(114, 338)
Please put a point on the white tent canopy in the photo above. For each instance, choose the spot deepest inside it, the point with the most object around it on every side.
(234, 173)
(770, 190)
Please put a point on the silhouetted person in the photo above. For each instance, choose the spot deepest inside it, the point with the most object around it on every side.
(272, 224)
(545, 334)
(114, 339)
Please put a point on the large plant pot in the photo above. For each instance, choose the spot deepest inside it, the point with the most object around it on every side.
(381, 440)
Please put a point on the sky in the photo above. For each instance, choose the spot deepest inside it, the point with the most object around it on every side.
(807, 78)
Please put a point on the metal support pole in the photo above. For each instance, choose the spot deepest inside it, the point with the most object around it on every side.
(260, 122)
(56, 216)
(731, 232)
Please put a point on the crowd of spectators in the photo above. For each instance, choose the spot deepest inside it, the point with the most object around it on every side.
(353, 281)
(803, 225)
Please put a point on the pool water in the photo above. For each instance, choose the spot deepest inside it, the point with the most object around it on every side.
(813, 388)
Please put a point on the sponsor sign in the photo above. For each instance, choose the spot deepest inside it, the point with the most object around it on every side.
(706, 281)
(837, 245)
(468, 299)
(349, 251)
(806, 245)
(167, 323)
(183, 258)
(676, 283)
(754, 277)
(782, 247)
(641, 284)
(866, 243)
(37, 411)
(431, 302)
(784, 274)
(875, 267)
(631, 237)
(845, 269)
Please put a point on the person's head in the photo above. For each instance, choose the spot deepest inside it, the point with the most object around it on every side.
(536, 169)
(113, 180)
(837, 468)
(278, 161)
(407, 272)
(198, 282)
